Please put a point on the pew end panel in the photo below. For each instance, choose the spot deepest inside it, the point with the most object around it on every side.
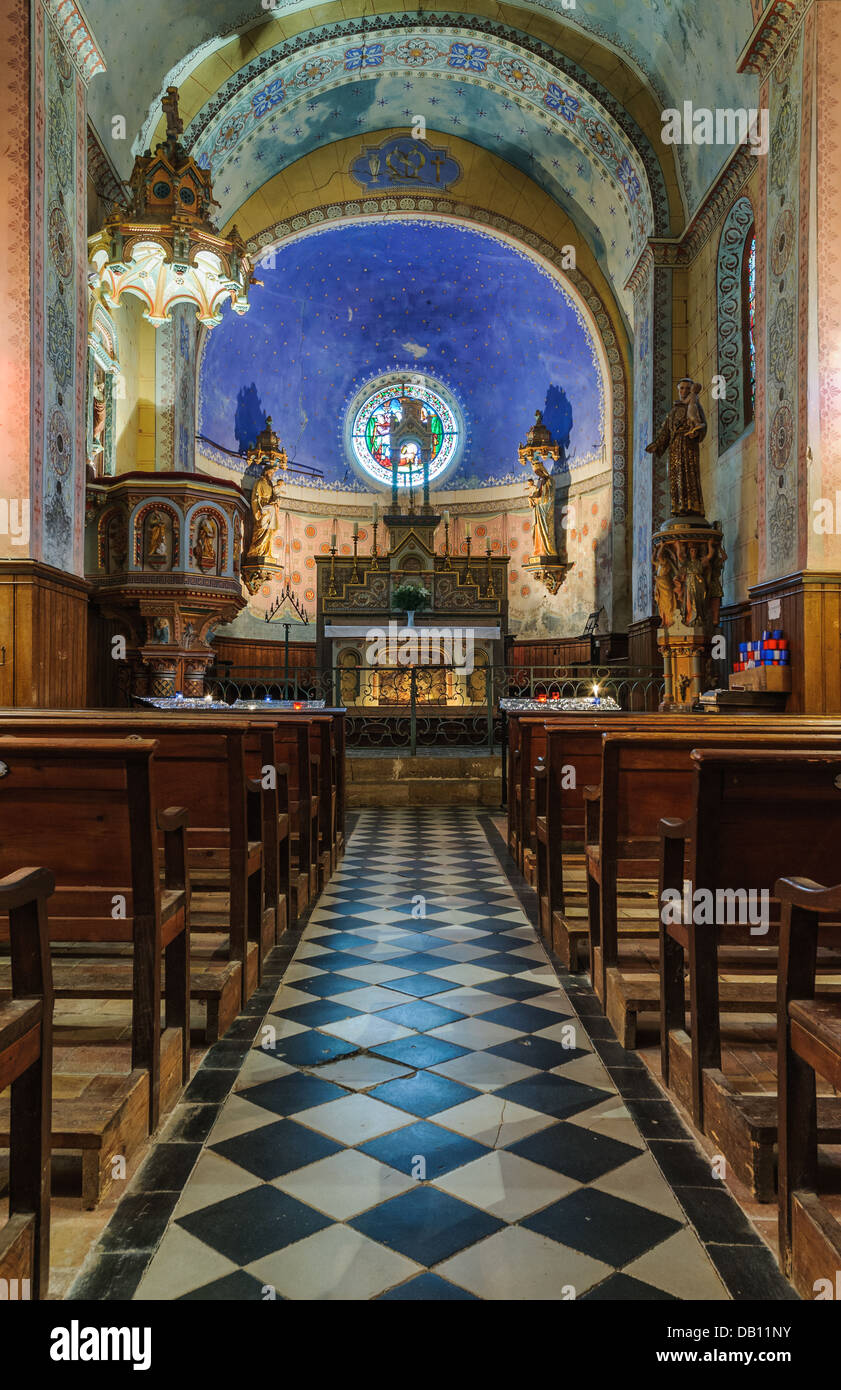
(809, 1046)
(26, 1069)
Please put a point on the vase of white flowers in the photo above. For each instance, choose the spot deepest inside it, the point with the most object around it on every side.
(412, 598)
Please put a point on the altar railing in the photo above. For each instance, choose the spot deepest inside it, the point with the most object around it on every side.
(424, 707)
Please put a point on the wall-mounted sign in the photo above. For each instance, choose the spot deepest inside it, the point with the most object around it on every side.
(403, 162)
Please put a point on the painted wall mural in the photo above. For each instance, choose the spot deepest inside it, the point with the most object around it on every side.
(672, 44)
(784, 228)
(60, 286)
(345, 304)
(511, 94)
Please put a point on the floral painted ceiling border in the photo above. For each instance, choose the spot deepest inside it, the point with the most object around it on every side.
(499, 59)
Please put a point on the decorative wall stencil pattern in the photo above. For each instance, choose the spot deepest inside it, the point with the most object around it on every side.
(732, 408)
(779, 325)
(828, 45)
(353, 301)
(643, 462)
(63, 255)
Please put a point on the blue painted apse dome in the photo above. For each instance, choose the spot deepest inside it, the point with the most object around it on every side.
(339, 308)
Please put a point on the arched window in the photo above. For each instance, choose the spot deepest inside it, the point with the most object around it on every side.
(736, 288)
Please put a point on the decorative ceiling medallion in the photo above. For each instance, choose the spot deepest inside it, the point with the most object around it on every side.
(386, 401)
(403, 162)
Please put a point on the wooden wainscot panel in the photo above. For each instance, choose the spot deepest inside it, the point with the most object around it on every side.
(810, 615)
(43, 636)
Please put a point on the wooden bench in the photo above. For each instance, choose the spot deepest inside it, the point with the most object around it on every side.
(312, 799)
(644, 777)
(87, 808)
(754, 812)
(26, 1020)
(809, 1046)
(316, 796)
(571, 760)
(201, 761)
(574, 743)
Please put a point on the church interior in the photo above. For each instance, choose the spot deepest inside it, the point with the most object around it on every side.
(420, 671)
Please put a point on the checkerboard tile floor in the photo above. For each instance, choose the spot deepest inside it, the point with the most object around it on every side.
(422, 1114)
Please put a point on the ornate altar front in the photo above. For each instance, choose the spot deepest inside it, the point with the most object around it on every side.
(441, 659)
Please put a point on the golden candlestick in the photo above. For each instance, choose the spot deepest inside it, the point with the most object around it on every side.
(490, 591)
(468, 576)
(447, 561)
(354, 578)
(375, 564)
(332, 591)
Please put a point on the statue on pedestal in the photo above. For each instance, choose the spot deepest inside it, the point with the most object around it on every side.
(545, 562)
(542, 503)
(264, 498)
(681, 433)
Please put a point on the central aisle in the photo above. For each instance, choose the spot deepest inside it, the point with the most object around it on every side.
(422, 1114)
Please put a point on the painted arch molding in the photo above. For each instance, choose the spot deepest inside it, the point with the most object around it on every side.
(667, 44)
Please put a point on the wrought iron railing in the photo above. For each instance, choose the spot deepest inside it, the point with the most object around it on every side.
(422, 707)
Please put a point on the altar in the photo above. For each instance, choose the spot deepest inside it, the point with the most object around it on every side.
(438, 655)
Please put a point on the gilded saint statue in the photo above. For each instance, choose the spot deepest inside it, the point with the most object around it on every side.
(664, 586)
(542, 503)
(264, 496)
(681, 433)
(156, 550)
(205, 547)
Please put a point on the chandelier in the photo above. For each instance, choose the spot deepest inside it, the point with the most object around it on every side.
(163, 247)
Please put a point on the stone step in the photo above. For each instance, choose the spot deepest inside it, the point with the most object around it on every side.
(448, 779)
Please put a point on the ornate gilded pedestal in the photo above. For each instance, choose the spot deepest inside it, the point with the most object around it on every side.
(688, 557)
(163, 559)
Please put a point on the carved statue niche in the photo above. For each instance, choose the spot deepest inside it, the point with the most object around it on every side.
(157, 541)
(116, 542)
(205, 550)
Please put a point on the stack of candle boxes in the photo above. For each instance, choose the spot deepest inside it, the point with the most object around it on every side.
(771, 651)
(763, 665)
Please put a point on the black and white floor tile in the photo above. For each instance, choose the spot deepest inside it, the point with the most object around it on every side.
(421, 1113)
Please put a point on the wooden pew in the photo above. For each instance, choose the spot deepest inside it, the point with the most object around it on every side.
(316, 811)
(26, 1020)
(571, 760)
(312, 807)
(575, 743)
(87, 808)
(201, 760)
(754, 812)
(809, 1046)
(645, 777)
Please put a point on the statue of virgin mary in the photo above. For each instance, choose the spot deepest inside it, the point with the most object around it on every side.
(542, 503)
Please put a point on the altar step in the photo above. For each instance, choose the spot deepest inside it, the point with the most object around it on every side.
(448, 778)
